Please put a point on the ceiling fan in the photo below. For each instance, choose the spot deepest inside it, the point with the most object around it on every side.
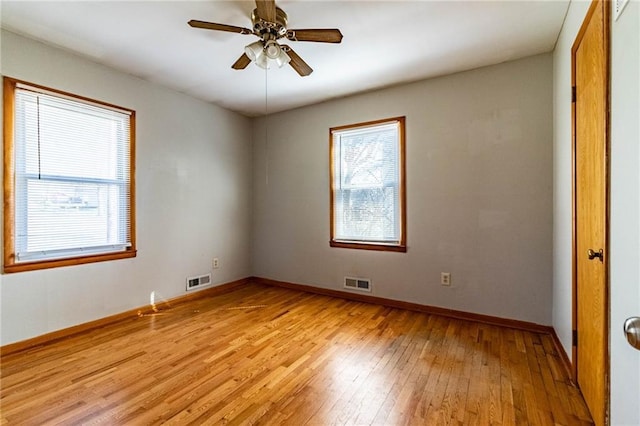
(270, 25)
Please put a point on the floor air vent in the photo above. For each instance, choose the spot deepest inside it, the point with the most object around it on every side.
(361, 284)
(197, 282)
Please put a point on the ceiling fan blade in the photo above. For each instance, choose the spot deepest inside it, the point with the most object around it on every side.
(219, 27)
(241, 63)
(266, 10)
(297, 63)
(328, 35)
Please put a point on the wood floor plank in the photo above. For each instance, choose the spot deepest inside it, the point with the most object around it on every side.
(272, 356)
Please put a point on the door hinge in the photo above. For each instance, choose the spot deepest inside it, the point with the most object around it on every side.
(573, 94)
(574, 338)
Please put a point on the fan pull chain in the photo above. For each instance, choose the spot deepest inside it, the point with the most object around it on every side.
(266, 127)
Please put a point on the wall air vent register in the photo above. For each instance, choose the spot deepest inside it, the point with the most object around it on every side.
(361, 284)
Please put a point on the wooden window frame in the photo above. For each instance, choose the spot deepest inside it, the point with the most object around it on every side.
(10, 265)
(400, 246)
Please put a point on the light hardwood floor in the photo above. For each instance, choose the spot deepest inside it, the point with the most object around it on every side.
(266, 355)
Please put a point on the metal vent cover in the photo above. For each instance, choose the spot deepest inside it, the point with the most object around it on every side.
(198, 282)
(360, 284)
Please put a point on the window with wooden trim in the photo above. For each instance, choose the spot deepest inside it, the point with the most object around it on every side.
(368, 193)
(68, 179)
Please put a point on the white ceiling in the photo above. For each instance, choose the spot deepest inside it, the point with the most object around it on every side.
(385, 43)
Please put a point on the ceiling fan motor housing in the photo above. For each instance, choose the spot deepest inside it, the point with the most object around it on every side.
(270, 30)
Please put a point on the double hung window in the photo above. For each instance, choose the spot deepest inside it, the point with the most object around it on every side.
(368, 185)
(68, 179)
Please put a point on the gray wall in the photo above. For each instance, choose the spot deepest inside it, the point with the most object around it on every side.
(193, 199)
(479, 192)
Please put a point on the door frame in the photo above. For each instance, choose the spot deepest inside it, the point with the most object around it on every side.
(606, 5)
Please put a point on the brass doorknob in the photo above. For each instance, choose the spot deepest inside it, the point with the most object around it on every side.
(593, 254)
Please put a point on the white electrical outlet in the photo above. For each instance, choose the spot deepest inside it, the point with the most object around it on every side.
(445, 278)
(216, 263)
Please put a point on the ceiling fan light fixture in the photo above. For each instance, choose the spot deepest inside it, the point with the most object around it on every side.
(272, 49)
(283, 59)
(254, 51)
(262, 61)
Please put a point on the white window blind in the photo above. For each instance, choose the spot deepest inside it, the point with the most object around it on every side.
(72, 178)
(366, 184)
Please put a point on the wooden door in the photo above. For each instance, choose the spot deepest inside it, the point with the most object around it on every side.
(591, 302)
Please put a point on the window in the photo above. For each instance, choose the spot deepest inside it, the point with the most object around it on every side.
(367, 194)
(68, 179)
